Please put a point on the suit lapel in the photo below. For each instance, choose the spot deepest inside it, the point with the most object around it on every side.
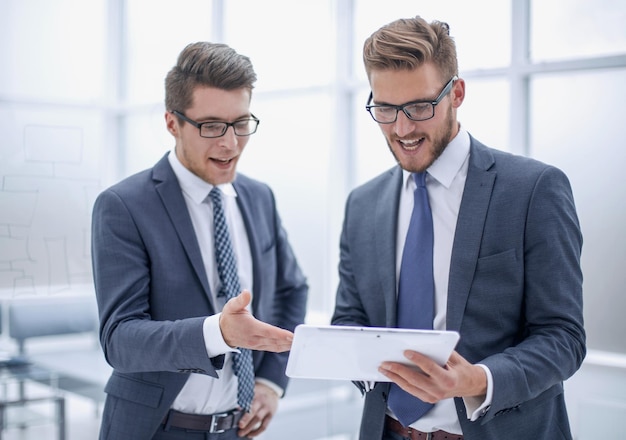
(469, 230)
(168, 188)
(386, 225)
(243, 201)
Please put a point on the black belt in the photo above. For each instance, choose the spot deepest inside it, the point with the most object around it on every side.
(213, 423)
(393, 425)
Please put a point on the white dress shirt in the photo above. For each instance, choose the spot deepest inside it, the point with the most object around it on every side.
(445, 181)
(204, 394)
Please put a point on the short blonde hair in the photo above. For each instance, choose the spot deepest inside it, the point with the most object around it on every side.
(408, 43)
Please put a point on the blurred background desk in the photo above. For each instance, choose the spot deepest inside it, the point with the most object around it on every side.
(29, 396)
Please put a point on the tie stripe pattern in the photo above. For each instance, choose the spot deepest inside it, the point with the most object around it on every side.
(415, 306)
(230, 288)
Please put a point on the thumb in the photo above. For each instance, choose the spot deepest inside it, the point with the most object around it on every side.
(454, 359)
(242, 300)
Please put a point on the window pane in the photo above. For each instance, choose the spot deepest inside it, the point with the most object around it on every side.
(372, 153)
(294, 49)
(155, 38)
(563, 29)
(472, 29)
(146, 140)
(53, 50)
(485, 111)
(587, 146)
(292, 152)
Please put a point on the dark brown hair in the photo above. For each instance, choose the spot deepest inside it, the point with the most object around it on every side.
(206, 64)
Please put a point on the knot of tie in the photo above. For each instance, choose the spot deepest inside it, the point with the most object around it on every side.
(420, 179)
(216, 195)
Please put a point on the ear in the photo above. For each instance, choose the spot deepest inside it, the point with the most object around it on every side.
(458, 92)
(171, 122)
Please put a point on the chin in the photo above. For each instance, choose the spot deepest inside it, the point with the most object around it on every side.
(415, 164)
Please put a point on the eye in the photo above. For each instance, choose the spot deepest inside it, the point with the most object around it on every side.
(242, 124)
(384, 110)
(418, 108)
(212, 126)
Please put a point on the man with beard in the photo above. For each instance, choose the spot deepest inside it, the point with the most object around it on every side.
(496, 257)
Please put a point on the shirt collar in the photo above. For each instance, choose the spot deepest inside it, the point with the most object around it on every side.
(193, 186)
(449, 163)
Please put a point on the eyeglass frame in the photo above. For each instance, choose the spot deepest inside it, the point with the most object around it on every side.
(199, 125)
(446, 89)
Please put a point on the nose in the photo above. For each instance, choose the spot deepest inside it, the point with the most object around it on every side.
(403, 124)
(229, 139)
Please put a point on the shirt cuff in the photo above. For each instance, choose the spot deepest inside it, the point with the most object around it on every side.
(213, 339)
(278, 390)
(477, 407)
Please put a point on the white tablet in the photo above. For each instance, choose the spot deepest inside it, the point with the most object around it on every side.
(355, 353)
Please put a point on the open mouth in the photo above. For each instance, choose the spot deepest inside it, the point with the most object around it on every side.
(411, 144)
(222, 161)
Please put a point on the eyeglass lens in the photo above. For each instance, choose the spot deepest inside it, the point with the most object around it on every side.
(417, 112)
(244, 127)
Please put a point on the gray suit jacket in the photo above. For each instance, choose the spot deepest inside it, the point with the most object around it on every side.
(153, 293)
(515, 288)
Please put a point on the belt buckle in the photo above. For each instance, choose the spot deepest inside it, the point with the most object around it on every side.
(216, 421)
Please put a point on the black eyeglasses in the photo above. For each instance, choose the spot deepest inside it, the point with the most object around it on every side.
(215, 129)
(416, 110)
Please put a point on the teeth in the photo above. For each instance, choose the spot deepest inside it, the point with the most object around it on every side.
(410, 143)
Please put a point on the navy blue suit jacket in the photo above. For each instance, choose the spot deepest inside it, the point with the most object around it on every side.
(153, 293)
(514, 295)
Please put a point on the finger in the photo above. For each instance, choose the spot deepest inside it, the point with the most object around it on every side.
(240, 302)
(268, 331)
(252, 416)
(273, 344)
(410, 380)
(456, 359)
(266, 337)
(245, 419)
(257, 424)
(278, 347)
(422, 361)
(260, 427)
(404, 370)
(426, 365)
(254, 423)
(246, 428)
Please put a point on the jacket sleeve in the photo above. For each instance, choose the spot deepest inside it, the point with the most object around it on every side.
(551, 344)
(135, 336)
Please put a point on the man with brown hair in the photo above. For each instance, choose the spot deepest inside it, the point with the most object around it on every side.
(495, 250)
(198, 288)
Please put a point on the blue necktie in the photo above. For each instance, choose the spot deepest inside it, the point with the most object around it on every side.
(229, 280)
(415, 306)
